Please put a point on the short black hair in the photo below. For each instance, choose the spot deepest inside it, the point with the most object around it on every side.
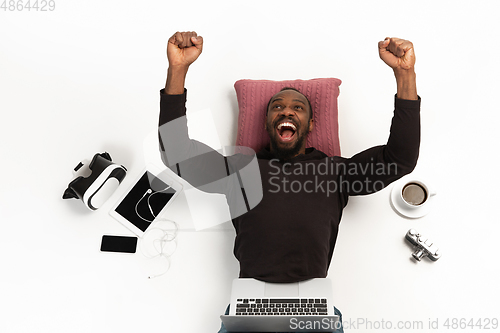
(297, 90)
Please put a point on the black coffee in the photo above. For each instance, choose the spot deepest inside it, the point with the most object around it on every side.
(414, 194)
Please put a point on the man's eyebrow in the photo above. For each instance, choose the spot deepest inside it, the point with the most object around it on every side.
(280, 99)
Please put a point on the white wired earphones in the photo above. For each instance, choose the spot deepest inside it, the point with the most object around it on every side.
(166, 237)
(149, 191)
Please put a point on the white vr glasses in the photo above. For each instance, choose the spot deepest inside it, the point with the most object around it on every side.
(96, 188)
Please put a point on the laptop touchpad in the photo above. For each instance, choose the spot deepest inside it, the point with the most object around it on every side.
(281, 289)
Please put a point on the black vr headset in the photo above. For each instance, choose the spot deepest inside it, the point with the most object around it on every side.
(95, 189)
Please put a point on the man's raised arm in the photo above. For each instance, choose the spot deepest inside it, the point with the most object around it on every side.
(192, 160)
(378, 166)
(200, 165)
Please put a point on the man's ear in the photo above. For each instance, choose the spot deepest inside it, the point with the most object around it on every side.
(311, 125)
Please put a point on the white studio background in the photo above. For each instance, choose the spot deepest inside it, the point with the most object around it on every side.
(85, 78)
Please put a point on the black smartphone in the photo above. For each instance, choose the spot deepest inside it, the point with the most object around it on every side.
(125, 244)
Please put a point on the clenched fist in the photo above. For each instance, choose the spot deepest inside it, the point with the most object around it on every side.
(184, 48)
(397, 53)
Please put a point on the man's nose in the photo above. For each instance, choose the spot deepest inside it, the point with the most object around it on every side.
(288, 112)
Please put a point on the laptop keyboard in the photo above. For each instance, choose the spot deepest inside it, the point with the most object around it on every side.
(281, 307)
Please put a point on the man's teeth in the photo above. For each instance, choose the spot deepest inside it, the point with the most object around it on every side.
(288, 125)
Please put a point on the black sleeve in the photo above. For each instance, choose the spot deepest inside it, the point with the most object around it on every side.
(192, 160)
(203, 167)
(375, 168)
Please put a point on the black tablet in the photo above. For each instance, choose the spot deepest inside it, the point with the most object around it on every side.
(148, 197)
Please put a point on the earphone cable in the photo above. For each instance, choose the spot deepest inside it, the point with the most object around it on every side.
(167, 235)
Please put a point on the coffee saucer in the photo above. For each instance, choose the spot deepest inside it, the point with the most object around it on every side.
(402, 209)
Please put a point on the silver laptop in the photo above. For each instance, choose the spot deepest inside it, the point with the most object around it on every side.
(258, 306)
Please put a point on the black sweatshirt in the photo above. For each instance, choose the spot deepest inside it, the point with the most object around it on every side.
(290, 235)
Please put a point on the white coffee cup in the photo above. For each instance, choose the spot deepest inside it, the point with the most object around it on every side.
(415, 194)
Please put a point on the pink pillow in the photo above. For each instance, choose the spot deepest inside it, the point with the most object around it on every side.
(253, 96)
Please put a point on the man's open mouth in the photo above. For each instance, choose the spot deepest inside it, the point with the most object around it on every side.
(286, 131)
